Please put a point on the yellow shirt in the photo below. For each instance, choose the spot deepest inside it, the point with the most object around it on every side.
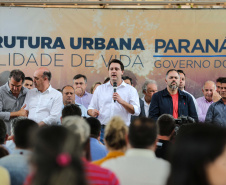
(4, 174)
(110, 155)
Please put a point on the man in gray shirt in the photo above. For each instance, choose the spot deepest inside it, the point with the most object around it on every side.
(216, 112)
(12, 96)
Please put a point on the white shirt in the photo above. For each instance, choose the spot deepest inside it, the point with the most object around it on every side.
(46, 106)
(102, 100)
(139, 167)
(146, 107)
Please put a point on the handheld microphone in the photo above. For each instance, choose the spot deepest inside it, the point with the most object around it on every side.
(115, 87)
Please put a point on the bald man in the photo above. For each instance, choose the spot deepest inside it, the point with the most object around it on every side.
(44, 103)
(209, 88)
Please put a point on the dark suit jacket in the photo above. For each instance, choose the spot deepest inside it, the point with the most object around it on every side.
(142, 112)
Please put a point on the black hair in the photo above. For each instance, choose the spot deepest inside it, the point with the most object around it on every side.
(17, 75)
(116, 61)
(223, 80)
(166, 124)
(219, 79)
(128, 78)
(80, 76)
(95, 126)
(196, 146)
(142, 132)
(171, 71)
(3, 132)
(22, 133)
(181, 71)
(47, 74)
(28, 78)
(71, 110)
(51, 143)
(106, 80)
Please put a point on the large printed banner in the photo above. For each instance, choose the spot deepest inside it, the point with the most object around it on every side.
(149, 42)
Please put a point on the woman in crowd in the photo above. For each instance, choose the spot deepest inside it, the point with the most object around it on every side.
(94, 86)
(199, 156)
(56, 158)
(115, 135)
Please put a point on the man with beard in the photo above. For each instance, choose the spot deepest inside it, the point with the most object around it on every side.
(216, 112)
(205, 101)
(172, 100)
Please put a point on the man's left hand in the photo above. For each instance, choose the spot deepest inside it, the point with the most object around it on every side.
(117, 97)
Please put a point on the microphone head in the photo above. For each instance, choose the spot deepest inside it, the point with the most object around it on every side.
(114, 84)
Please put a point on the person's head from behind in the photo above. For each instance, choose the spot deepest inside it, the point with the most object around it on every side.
(115, 134)
(23, 131)
(166, 125)
(95, 127)
(3, 132)
(80, 128)
(28, 82)
(71, 110)
(16, 80)
(143, 133)
(13, 123)
(199, 156)
(56, 157)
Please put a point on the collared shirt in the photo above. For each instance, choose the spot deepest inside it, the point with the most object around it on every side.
(217, 113)
(17, 165)
(146, 107)
(96, 175)
(46, 106)
(97, 150)
(139, 166)
(203, 105)
(103, 101)
(10, 103)
(84, 100)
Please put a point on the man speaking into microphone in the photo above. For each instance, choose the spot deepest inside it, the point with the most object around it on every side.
(114, 98)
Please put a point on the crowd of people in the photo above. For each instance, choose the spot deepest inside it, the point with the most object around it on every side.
(111, 136)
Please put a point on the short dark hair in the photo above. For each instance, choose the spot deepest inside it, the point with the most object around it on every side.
(47, 74)
(171, 71)
(142, 132)
(223, 80)
(17, 75)
(28, 78)
(181, 71)
(23, 131)
(196, 146)
(71, 110)
(219, 79)
(3, 132)
(106, 80)
(67, 86)
(166, 124)
(128, 78)
(80, 76)
(95, 126)
(116, 61)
